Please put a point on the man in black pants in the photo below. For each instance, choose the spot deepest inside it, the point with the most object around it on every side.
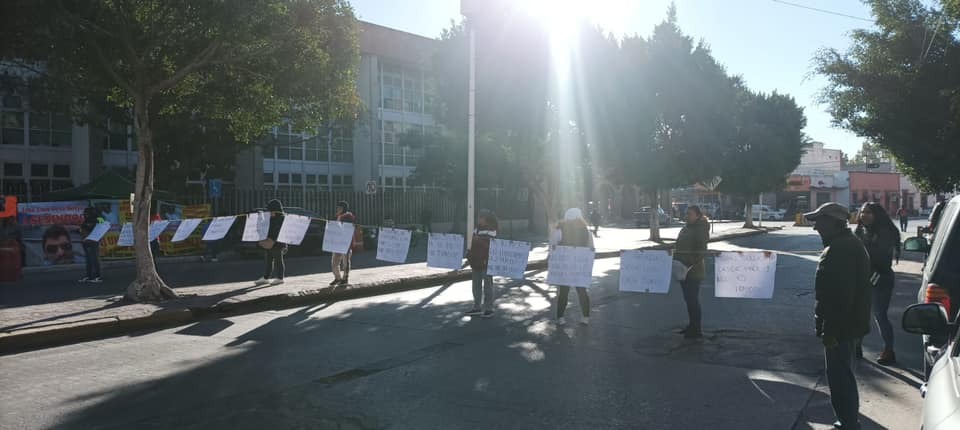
(273, 251)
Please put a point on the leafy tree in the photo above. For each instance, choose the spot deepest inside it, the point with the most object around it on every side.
(243, 64)
(767, 146)
(899, 87)
(870, 153)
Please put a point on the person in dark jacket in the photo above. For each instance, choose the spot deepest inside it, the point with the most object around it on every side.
(340, 263)
(572, 231)
(274, 267)
(477, 257)
(882, 240)
(91, 248)
(691, 249)
(842, 312)
(595, 219)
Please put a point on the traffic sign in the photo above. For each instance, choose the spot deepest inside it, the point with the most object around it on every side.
(215, 187)
(371, 187)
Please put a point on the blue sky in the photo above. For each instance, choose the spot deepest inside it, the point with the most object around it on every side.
(769, 43)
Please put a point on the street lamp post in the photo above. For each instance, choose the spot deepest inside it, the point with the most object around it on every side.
(471, 136)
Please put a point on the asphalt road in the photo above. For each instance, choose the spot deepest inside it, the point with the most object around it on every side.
(413, 361)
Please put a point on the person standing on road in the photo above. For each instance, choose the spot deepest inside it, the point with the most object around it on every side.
(478, 256)
(595, 218)
(691, 249)
(572, 231)
(904, 218)
(273, 251)
(91, 248)
(341, 262)
(842, 313)
(882, 241)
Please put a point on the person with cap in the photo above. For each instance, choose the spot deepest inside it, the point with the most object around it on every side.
(572, 231)
(691, 248)
(341, 262)
(842, 313)
(273, 251)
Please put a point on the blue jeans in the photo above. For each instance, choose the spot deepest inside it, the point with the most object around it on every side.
(882, 292)
(482, 290)
(91, 250)
(844, 395)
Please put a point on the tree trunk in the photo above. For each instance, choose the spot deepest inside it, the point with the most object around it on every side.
(655, 216)
(748, 214)
(147, 287)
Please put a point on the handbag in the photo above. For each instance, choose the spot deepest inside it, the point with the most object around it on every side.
(266, 243)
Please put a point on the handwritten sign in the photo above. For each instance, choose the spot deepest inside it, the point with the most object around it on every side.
(219, 227)
(257, 227)
(156, 228)
(445, 251)
(571, 266)
(186, 228)
(747, 275)
(126, 235)
(293, 229)
(337, 237)
(393, 244)
(98, 232)
(645, 271)
(508, 258)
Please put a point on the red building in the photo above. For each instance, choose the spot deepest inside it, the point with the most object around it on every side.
(883, 188)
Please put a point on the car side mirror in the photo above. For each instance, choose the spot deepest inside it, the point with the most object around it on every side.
(925, 318)
(916, 244)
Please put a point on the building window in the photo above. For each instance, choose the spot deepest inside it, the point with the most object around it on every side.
(50, 129)
(296, 179)
(61, 171)
(316, 148)
(412, 91)
(268, 178)
(342, 145)
(12, 123)
(311, 179)
(392, 87)
(283, 178)
(13, 182)
(12, 169)
(322, 181)
(117, 137)
(39, 170)
(342, 183)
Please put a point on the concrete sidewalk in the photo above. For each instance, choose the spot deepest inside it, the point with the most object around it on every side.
(42, 325)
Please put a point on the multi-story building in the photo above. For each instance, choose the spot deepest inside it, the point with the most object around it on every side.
(819, 178)
(42, 152)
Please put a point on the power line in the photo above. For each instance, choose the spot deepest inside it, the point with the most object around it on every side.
(822, 10)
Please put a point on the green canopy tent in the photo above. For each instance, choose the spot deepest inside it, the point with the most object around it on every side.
(109, 185)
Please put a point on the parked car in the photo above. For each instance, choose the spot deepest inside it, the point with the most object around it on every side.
(642, 217)
(941, 400)
(312, 242)
(940, 283)
(768, 213)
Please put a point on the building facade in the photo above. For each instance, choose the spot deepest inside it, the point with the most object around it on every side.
(819, 178)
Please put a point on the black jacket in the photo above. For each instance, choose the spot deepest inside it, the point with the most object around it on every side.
(691, 247)
(276, 218)
(843, 288)
(882, 246)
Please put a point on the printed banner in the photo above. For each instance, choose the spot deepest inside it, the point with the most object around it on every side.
(570, 266)
(508, 258)
(51, 232)
(257, 227)
(185, 229)
(445, 251)
(219, 228)
(294, 228)
(156, 228)
(337, 237)
(646, 271)
(126, 235)
(98, 232)
(393, 245)
(747, 275)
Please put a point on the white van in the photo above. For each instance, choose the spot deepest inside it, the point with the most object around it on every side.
(768, 213)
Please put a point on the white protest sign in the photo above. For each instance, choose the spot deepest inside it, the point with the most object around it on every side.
(646, 271)
(445, 251)
(186, 228)
(98, 232)
(508, 258)
(747, 275)
(156, 228)
(126, 235)
(570, 266)
(219, 227)
(393, 244)
(337, 237)
(257, 227)
(293, 229)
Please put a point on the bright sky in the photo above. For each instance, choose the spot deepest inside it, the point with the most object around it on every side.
(769, 43)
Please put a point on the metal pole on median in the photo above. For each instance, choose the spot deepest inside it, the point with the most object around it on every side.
(471, 136)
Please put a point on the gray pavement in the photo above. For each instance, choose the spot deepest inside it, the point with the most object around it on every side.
(413, 361)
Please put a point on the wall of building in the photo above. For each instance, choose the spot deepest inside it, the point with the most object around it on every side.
(883, 188)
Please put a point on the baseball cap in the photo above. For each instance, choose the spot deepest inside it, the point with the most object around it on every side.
(830, 209)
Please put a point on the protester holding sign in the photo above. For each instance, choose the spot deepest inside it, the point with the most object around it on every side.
(882, 240)
(478, 257)
(341, 262)
(572, 231)
(691, 248)
(843, 306)
(91, 248)
(273, 251)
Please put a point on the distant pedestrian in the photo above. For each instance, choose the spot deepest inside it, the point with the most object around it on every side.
(904, 218)
(91, 248)
(595, 219)
(340, 263)
(155, 244)
(882, 241)
(426, 220)
(478, 256)
(10, 232)
(842, 312)
(572, 231)
(210, 246)
(691, 249)
(273, 251)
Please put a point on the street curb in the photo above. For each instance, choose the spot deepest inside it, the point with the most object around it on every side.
(67, 333)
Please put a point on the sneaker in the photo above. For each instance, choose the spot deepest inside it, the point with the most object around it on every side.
(886, 358)
(561, 321)
(474, 312)
(277, 281)
(261, 281)
(488, 314)
(84, 279)
(585, 321)
(334, 282)
(96, 280)
(344, 282)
